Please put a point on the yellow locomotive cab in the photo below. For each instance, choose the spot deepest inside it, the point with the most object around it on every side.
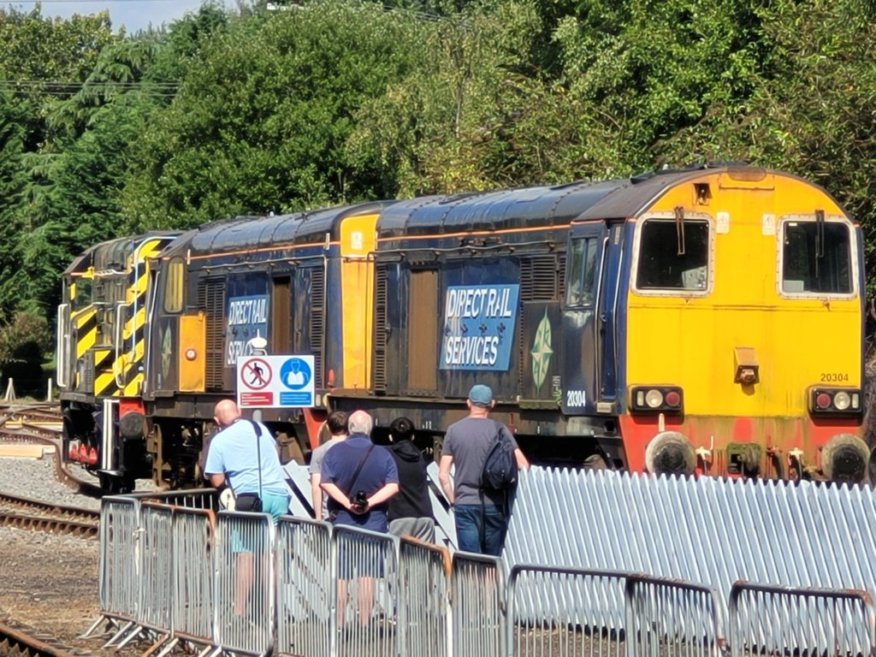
(758, 318)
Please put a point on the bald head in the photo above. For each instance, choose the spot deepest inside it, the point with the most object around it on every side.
(360, 422)
(226, 412)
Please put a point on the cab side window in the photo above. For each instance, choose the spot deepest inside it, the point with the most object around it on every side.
(173, 286)
(816, 258)
(583, 254)
(673, 255)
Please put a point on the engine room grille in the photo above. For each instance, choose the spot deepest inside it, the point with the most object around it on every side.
(542, 278)
(380, 329)
(211, 297)
(317, 324)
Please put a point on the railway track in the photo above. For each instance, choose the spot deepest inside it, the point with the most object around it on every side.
(26, 513)
(16, 641)
(40, 423)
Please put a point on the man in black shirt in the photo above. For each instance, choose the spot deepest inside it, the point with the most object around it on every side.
(410, 512)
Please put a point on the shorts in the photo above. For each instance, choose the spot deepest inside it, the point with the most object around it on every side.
(361, 558)
(420, 528)
(247, 536)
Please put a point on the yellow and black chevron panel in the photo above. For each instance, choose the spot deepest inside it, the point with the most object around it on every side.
(104, 381)
(126, 370)
(85, 323)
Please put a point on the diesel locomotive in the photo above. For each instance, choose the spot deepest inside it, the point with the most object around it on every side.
(100, 352)
(706, 320)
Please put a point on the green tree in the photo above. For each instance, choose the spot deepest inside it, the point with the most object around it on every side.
(24, 339)
(263, 115)
(42, 62)
(12, 181)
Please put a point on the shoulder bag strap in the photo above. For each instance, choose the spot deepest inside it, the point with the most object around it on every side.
(358, 470)
(258, 433)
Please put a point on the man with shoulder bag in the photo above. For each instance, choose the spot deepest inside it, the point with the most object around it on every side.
(243, 457)
(359, 477)
(486, 458)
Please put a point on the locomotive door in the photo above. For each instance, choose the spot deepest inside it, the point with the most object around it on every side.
(608, 320)
(585, 320)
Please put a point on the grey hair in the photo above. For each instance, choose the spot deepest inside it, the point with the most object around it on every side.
(360, 422)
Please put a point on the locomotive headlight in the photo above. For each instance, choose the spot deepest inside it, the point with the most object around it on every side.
(657, 399)
(834, 401)
(191, 353)
(654, 398)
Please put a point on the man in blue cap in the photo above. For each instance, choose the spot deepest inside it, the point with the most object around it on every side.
(480, 514)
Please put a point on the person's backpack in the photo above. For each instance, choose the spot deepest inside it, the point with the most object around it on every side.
(500, 468)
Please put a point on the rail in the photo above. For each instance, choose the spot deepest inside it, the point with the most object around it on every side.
(20, 642)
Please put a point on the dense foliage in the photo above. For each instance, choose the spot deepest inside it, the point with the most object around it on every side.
(334, 101)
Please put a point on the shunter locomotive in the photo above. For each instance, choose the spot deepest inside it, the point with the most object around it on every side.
(706, 320)
(99, 356)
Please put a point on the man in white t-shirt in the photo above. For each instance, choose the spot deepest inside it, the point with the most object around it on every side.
(336, 423)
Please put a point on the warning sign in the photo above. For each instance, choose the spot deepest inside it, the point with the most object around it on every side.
(275, 381)
(256, 373)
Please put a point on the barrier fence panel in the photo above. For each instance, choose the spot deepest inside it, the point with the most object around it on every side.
(424, 596)
(244, 582)
(554, 611)
(192, 498)
(671, 617)
(775, 620)
(193, 545)
(119, 562)
(366, 564)
(476, 613)
(305, 588)
(701, 529)
(445, 525)
(156, 566)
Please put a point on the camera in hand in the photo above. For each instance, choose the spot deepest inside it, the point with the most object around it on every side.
(360, 500)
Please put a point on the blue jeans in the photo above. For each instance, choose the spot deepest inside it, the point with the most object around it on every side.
(480, 529)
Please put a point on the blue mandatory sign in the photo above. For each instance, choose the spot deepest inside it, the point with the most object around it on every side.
(295, 374)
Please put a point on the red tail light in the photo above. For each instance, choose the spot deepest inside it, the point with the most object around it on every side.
(835, 401)
(656, 399)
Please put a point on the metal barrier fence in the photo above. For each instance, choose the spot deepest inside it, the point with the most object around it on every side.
(191, 498)
(156, 568)
(194, 533)
(555, 611)
(244, 582)
(705, 530)
(773, 620)
(365, 567)
(424, 599)
(119, 575)
(670, 617)
(477, 595)
(344, 592)
(305, 588)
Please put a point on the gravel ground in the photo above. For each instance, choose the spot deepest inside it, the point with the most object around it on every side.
(49, 582)
(36, 479)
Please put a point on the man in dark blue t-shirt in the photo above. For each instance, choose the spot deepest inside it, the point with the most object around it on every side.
(359, 477)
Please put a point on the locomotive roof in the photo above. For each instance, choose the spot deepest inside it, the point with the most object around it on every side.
(535, 206)
(242, 233)
(110, 254)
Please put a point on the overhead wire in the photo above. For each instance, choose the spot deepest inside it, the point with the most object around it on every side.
(60, 88)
